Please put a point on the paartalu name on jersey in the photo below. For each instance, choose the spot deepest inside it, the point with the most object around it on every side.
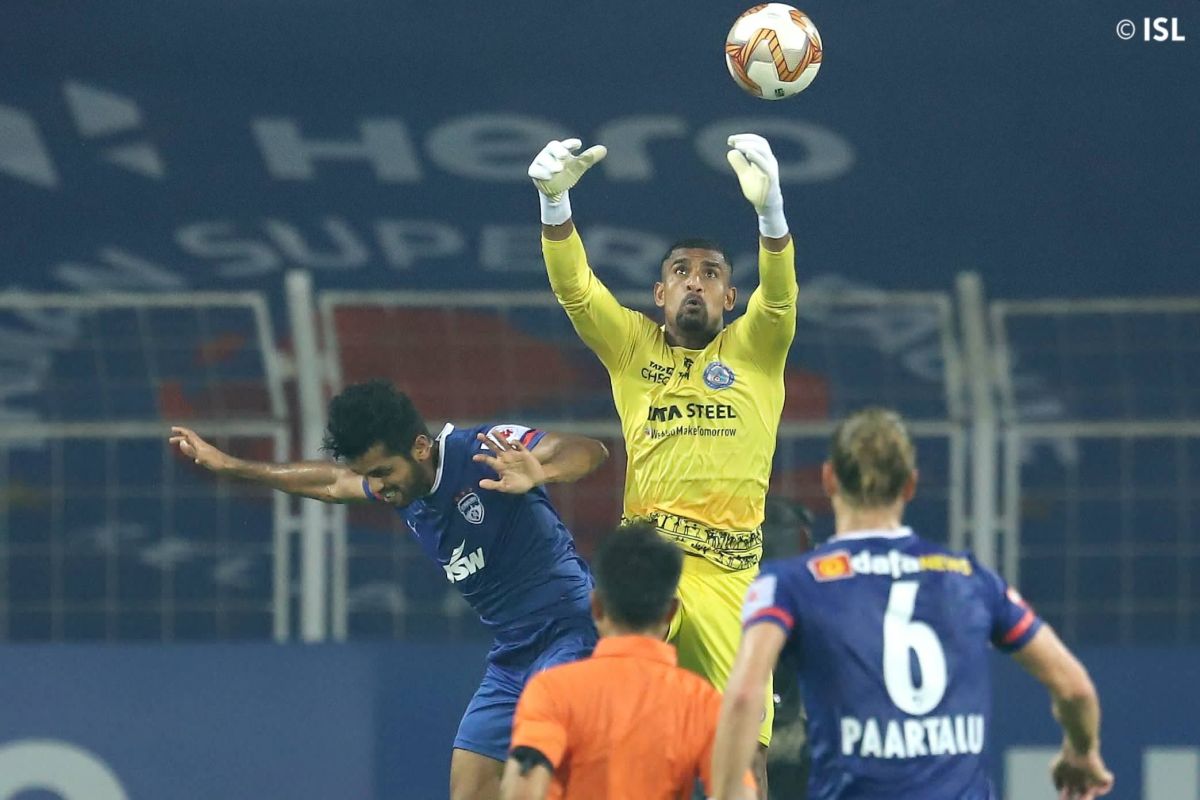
(958, 734)
(841, 564)
(463, 566)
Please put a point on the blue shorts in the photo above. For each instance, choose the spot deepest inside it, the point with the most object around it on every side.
(486, 727)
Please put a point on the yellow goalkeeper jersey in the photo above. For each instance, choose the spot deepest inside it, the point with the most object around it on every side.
(699, 425)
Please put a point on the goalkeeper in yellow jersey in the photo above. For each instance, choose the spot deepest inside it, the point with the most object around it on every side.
(699, 400)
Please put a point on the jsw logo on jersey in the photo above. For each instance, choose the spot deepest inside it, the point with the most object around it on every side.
(462, 566)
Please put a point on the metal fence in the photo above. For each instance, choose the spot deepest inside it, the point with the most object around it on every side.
(1100, 401)
(1060, 440)
(104, 532)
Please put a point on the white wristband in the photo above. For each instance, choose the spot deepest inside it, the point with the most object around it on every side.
(771, 222)
(555, 212)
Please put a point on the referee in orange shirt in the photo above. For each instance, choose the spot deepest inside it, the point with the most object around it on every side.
(626, 723)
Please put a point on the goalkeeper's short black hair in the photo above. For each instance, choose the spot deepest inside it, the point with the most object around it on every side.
(637, 572)
(695, 243)
(370, 413)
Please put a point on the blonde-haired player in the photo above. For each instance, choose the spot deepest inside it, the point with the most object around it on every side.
(893, 637)
(699, 400)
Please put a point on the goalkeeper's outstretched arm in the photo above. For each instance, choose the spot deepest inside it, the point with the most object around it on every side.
(318, 480)
(758, 173)
(554, 171)
(767, 329)
(603, 323)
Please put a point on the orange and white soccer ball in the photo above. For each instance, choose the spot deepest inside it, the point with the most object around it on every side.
(773, 51)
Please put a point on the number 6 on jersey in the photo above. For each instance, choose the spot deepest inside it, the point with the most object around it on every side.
(901, 634)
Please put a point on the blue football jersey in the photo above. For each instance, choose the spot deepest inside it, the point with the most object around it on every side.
(509, 556)
(892, 636)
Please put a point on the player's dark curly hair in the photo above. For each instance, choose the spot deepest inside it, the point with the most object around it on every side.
(873, 457)
(698, 244)
(637, 573)
(365, 414)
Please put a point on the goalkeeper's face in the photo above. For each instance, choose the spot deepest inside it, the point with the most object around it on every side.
(695, 291)
(395, 479)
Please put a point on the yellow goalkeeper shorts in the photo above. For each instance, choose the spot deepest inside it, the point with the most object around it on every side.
(707, 629)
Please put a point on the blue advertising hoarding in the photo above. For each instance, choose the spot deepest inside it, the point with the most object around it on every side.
(246, 722)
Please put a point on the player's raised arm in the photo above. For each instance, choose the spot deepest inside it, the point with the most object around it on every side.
(554, 171)
(319, 480)
(770, 320)
(555, 458)
(1078, 770)
(604, 325)
(758, 173)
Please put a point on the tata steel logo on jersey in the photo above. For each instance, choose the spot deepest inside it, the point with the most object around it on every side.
(462, 566)
(471, 507)
(692, 411)
(832, 567)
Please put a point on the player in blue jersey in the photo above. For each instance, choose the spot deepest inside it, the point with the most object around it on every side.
(892, 636)
(474, 501)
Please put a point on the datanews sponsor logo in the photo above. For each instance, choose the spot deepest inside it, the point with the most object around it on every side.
(841, 564)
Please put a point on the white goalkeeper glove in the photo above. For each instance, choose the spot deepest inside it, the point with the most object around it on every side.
(758, 173)
(555, 170)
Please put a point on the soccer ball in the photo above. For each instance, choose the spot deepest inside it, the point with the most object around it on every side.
(773, 51)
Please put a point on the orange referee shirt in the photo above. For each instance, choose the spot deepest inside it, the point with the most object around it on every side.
(625, 723)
